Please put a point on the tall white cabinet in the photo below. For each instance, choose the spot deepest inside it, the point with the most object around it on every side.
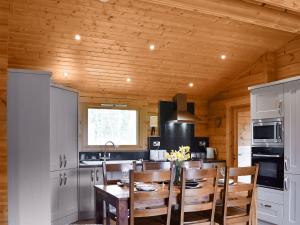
(28, 148)
(292, 127)
(63, 155)
(282, 99)
(292, 153)
(42, 150)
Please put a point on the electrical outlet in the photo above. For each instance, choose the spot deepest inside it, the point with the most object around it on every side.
(156, 143)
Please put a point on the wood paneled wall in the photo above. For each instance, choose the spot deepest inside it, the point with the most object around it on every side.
(4, 8)
(148, 106)
(281, 64)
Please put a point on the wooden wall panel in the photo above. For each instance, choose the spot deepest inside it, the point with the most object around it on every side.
(4, 8)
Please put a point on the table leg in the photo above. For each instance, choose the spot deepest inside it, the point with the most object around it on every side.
(122, 212)
(99, 208)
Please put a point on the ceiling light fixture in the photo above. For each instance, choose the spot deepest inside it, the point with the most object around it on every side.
(77, 37)
(66, 74)
(191, 84)
(151, 47)
(128, 79)
(223, 57)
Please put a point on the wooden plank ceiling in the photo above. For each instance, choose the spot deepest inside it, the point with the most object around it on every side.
(115, 39)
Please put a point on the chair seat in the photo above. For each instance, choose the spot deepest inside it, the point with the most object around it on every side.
(232, 212)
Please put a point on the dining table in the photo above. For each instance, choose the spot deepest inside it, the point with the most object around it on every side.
(118, 197)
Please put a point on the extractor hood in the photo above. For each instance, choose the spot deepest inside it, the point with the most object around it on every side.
(181, 115)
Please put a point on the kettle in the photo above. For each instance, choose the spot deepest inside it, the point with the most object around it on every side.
(211, 153)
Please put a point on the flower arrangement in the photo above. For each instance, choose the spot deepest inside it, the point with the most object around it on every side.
(177, 157)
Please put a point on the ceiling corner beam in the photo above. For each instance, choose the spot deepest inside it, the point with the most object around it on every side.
(239, 11)
(291, 5)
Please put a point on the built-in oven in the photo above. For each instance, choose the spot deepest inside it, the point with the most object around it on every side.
(267, 132)
(271, 166)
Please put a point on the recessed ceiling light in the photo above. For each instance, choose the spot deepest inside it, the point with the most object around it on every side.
(128, 79)
(223, 57)
(151, 47)
(77, 37)
(66, 74)
(104, 1)
(191, 84)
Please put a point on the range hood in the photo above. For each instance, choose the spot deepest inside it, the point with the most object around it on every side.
(181, 115)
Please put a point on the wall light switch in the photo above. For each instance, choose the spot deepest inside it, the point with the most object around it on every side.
(156, 143)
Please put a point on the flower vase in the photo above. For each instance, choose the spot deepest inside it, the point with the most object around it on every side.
(177, 173)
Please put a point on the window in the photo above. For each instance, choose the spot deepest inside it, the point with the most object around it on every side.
(117, 125)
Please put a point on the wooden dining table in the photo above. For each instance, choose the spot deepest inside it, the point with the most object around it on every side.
(118, 197)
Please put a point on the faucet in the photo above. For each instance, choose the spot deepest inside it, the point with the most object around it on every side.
(105, 156)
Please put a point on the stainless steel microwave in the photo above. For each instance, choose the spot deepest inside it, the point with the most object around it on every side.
(267, 132)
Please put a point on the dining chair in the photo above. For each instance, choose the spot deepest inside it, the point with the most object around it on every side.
(113, 168)
(193, 164)
(156, 165)
(197, 204)
(153, 203)
(238, 198)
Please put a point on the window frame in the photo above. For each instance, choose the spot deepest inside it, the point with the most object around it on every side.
(84, 124)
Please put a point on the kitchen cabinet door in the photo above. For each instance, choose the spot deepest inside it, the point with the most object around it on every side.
(86, 193)
(98, 176)
(292, 127)
(57, 129)
(55, 182)
(68, 200)
(70, 123)
(267, 102)
(292, 200)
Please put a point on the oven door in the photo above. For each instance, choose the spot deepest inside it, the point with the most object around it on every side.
(271, 171)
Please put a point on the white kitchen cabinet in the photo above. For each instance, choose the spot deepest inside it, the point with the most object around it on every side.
(270, 212)
(292, 127)
(64, 120)
(56, 182)
(267, 102)
(292, 200)
(28, 148)
(88, 177)
(64, 204)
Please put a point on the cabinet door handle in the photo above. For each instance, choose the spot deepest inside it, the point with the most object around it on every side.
(60, 161)
(97, 175)
(280, 107)
(286, 187)
(60, 179)
(65, 161)
(92, 175)
(65, 179)
(286, 164)
(266, 205)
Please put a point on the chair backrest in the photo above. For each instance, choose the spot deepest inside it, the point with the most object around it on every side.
(193, 164)
(239, 195)
(156, 165)
(202, 198)
(153, 203)
(121, 167)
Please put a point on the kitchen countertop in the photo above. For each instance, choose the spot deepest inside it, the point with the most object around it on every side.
(89, 164)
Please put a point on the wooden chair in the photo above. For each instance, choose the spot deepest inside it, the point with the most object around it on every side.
(156, 166)
(195, 201)
(122, 167)
(156, 203)
(238, 199)
(193, 164)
